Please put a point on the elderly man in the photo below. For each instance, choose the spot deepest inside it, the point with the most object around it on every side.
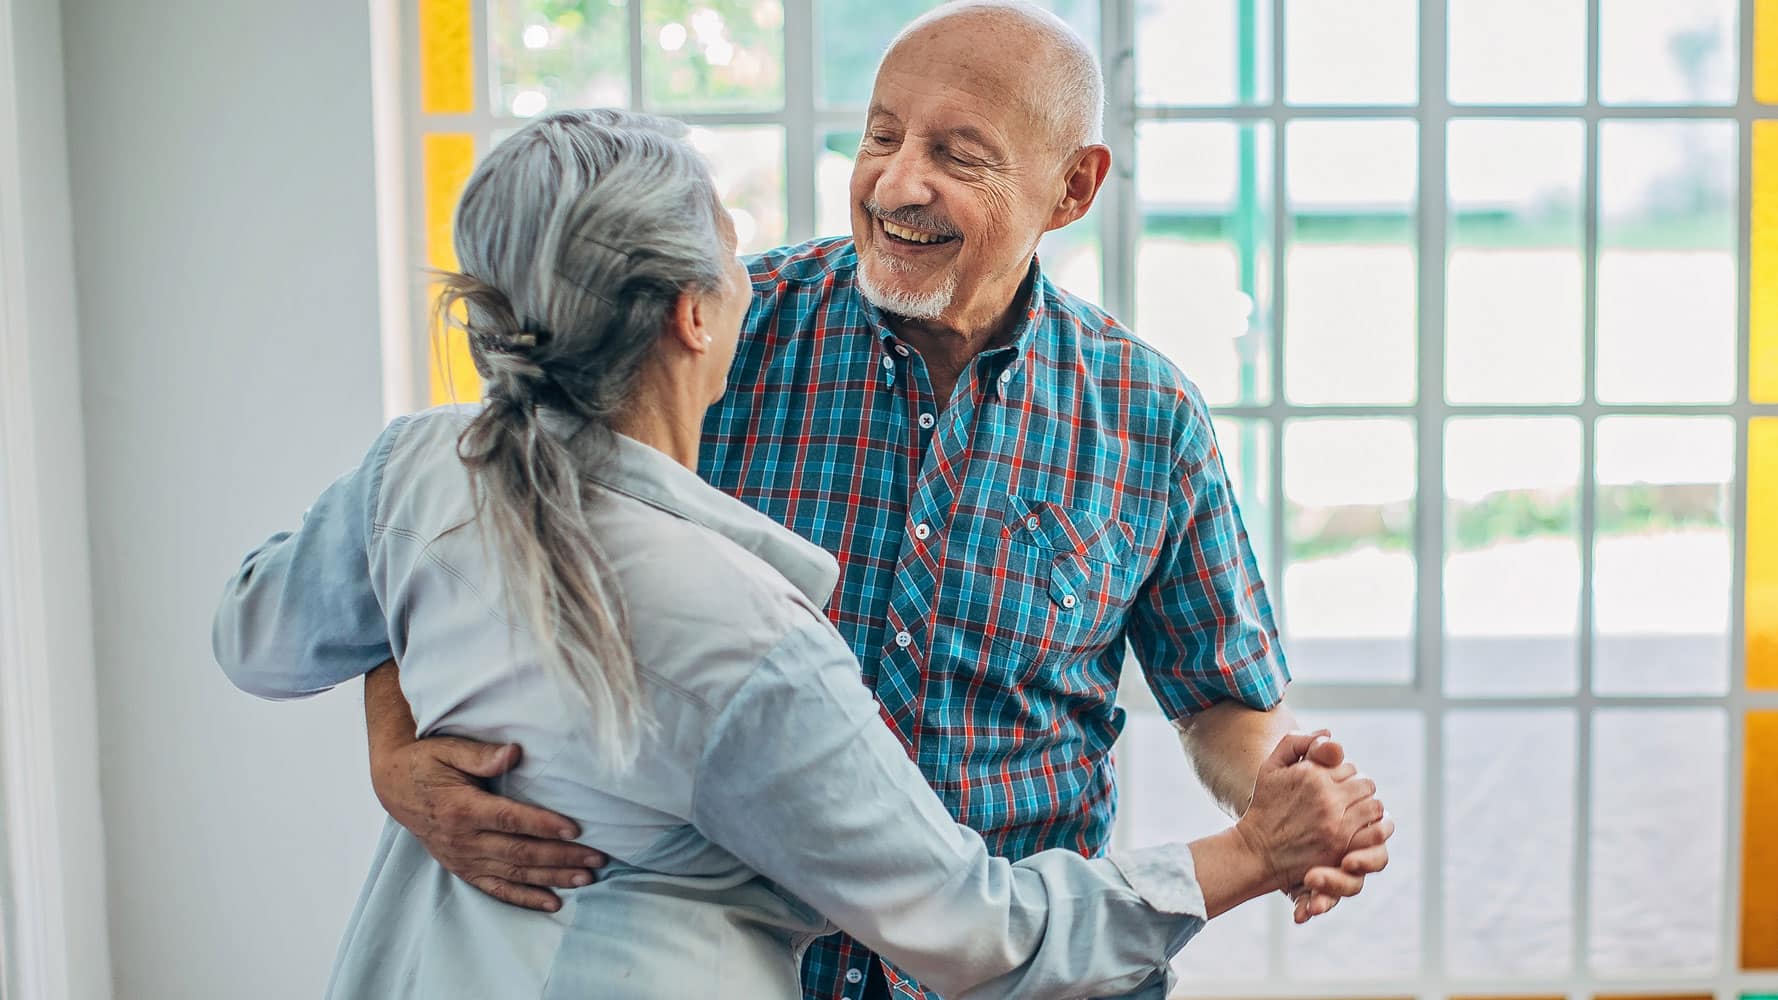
(1014, 486)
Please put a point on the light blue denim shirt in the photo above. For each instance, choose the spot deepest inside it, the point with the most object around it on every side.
(769, 801)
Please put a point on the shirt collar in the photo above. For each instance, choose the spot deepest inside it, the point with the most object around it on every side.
(1001, 359)
(644, 473)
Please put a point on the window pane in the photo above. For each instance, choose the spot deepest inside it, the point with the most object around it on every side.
(1515, 223)
(1071, 256)
(1512, 569)
(1759, 843)
(1761, 596)
(1667, 281)
(1246, 454)
(1203, 266)
(1762, 263)
(850, 36)
(447, 160)
(1662, 52)
(1508, 872)
(1656, 889)
(447, 63)
(1348, 603)
(1765, 51)
(712, 55)
(1518, 51)
(1164, 803)
(1350, 315)
(833, 182)
(1376, 933)
(748, 161)
(1344, 53)
(549, 55)
(1662, 555)
(1203, 51)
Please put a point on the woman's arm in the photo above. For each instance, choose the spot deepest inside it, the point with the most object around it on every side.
(300, 615)
(803, 782)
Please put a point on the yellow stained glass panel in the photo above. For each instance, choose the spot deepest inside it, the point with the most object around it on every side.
(447, 63)
(449, 158)
(1763, 262)
(1762, 555)
(453, 377)
(1759, 845)
(1765, 51)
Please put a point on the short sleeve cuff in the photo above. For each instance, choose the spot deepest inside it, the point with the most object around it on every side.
(1258, 683)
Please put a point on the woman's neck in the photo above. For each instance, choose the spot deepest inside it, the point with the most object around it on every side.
(667, 419)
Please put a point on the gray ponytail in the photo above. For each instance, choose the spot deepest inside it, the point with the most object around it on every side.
(576, 237)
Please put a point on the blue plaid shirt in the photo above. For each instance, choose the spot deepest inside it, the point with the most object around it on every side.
(996, 553)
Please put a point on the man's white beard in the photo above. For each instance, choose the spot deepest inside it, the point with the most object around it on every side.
(927, 306)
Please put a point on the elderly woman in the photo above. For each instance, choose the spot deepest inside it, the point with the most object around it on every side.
(549, 571)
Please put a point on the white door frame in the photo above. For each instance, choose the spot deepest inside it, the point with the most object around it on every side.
(33, 924)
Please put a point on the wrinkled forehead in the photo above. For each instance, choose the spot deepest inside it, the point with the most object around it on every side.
(949, 79)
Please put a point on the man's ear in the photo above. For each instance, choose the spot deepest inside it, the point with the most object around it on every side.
(1081, 182)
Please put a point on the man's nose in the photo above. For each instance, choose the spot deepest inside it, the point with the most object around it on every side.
(905, 181)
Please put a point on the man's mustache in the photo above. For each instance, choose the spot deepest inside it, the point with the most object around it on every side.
(914, 217)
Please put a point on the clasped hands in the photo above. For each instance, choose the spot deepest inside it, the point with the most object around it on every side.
(1316, 823)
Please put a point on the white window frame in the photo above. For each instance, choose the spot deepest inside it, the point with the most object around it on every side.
(33, 942)
(1119, 218)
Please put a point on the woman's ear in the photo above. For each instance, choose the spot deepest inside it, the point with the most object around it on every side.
(689, 322)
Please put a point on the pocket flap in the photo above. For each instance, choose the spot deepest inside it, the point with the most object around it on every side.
(1066, 529)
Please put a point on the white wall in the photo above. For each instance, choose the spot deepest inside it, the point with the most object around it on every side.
(44, 477)
(225, 238)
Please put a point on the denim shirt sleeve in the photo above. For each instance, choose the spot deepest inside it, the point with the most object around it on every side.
(300, 615)
(803, 782)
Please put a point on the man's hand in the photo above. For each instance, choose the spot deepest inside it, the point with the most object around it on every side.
(1323, 887)
(1228, 744)
(434, 787)
(1305, 816)
(1367, 854)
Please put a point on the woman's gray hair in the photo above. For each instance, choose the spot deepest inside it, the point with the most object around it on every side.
(575, 238)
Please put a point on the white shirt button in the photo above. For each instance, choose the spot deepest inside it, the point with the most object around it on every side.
(1006, 376)
(922, 531)
(926, 420)
(1068, 600)
(1031, 522)
(854, 976)
(901, 349)
(888, 362)
(903, 639)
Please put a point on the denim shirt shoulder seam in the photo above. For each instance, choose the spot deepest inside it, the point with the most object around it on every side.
(385, 449)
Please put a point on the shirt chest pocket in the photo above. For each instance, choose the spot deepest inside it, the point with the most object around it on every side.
(1065, 577)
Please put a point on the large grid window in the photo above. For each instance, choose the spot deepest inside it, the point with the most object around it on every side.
(1485, 296)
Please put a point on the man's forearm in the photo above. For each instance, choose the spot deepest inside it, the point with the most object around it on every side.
(388, 720)
(1227, 743)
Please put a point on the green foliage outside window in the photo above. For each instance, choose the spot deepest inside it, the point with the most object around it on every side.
(1515, 516)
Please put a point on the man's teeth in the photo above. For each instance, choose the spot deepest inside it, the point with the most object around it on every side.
(908, 234)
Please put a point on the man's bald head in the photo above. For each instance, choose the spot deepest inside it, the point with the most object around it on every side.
(1066, 89)
(981, 136)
